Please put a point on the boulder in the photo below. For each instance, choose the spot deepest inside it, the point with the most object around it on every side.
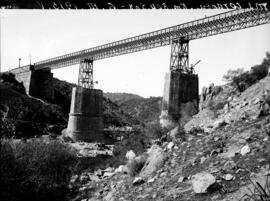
(138, 180)
(181, 179)
(170, 145)
(130, 155)
(155, 160)
(202, 181)
(121, 169)
(151, 180)
(231, 152)
(245, 150)
(228, 177)
(229, 165)
(135, 165)
(218, 123)
(256, 101)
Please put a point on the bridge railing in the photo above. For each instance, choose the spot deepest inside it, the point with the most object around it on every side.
(208, 26)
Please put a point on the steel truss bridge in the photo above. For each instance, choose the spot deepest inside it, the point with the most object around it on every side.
(177, 36)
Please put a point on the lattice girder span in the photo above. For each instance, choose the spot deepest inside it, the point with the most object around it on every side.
(86, 74)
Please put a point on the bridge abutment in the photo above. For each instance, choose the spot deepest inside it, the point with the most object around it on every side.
(37, 83)
(85, 118)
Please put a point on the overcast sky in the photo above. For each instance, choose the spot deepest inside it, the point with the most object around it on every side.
(49, 33)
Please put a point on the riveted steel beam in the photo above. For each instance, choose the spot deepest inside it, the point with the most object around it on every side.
(205, 27)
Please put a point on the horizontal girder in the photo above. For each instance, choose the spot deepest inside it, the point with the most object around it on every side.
(208, 26)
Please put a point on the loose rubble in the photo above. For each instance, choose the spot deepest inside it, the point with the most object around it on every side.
(214, 161)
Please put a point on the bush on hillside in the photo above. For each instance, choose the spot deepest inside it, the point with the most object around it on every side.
(257, 72)
(9, 80)
(145, 109)
(155, 131)
(216, 105)
(228, 77)
(36, 170)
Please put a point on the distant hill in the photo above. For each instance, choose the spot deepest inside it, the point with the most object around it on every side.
(120, 98)
(145, 109)
(113, 115)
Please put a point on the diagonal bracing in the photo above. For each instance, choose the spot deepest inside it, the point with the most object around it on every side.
(208, 26)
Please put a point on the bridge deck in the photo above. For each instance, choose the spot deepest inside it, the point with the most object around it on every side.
(208, 26)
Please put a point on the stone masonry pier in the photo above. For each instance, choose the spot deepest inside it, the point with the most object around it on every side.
(180, 98)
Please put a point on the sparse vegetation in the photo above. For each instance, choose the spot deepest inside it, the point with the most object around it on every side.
(136, 142)
(145, 109)
(154, 131)
(9, 80)
(217, 105)
(259, 192)
(35, 170)
(242, 80)
(231, 74)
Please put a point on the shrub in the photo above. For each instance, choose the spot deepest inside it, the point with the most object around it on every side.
(257, 72)
(232, 73)
(216, 105)
(154, 131)
(195, 130)
(10, 80)
(38, 170)
(242, 80)
(259, 193)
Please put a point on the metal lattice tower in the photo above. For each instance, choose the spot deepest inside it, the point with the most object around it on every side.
(86, 74)
(179, 56)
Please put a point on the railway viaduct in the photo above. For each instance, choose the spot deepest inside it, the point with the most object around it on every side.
(181, 83)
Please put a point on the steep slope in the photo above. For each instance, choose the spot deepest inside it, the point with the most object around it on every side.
(228, 106)
(24, 116)
(221, 159)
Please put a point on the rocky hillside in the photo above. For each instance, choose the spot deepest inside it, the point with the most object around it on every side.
(25, 116)
(218, 166)
(227, 105)
(223, 153)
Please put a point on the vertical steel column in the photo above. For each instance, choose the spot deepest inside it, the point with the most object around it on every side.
(179, 56)
(86, 74)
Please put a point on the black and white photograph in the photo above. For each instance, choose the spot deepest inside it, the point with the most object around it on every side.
(135, 103)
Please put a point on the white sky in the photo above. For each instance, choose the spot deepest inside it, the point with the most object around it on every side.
(48, 33)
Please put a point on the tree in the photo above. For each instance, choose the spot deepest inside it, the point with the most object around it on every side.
(232, 73)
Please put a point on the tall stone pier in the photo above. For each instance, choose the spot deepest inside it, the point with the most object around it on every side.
(85, 118)
(180, 98)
